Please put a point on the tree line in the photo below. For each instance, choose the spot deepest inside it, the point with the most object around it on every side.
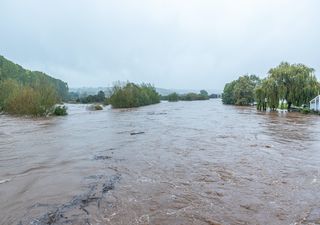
(174, 97)
(285, 86)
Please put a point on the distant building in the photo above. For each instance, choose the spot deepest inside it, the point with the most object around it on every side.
(315, 103)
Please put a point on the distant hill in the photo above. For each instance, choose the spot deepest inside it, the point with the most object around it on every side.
(10, 70)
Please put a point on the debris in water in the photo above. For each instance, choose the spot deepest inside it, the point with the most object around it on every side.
(135, 133)
(102, 157)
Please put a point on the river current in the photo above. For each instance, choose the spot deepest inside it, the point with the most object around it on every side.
(177, 163)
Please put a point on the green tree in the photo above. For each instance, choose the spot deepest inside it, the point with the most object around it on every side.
(130, 95)
(295, 83)
(174, 97)
(240, 91)
(204, 93)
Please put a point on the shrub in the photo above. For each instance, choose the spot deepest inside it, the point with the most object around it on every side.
(18, 99)
(305, 110)
(60, 110)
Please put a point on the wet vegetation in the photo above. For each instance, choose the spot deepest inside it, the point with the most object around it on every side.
(128, 95)
(25, 92)
(12, 71)
(19, 99)
(240, 91)
(285, 86)
(100, 97)
(294, 84)
(174, 97)
(60, 110)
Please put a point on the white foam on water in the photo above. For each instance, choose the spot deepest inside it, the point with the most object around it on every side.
(5, 181)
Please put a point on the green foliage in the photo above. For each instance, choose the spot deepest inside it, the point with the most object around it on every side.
(305, 110)
(34, 79)
(98, 98)
(228, 93)
(19, 99)
(240, 91)
(204, 93)
(174, 97)
(73, 97)
(130, 95)
(295, 83)
(60, 110)
(215, 96)
(193, 97)
(106, 102)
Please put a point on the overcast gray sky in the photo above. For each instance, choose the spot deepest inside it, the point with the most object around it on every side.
(171, 43)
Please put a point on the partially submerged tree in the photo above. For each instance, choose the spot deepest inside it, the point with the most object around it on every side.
(130, 95)
(240, 91)
(295, 84)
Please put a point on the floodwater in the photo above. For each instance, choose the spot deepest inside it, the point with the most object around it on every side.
(171, 163)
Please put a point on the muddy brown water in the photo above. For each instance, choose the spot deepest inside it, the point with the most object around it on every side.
(171, 163)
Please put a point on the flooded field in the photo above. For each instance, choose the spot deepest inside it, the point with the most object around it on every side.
(171, 163)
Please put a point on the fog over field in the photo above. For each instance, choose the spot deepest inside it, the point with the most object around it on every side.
(171, 43)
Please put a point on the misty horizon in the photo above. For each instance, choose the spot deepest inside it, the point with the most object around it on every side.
(170, 44)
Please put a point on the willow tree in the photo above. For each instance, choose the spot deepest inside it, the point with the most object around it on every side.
(295, 83)
(261, 95)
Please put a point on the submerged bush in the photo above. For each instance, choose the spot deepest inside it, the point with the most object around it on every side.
(132, 95)
(60, 110)
(305, 110)
(95, 107)
(98, 107)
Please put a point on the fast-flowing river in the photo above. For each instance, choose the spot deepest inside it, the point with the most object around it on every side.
(171, 163)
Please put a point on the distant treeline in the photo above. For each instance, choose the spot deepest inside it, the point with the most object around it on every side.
(100, 97)
(285, 86)
(25, 92)
(174, 97)
(126, 95)
(122, 95)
